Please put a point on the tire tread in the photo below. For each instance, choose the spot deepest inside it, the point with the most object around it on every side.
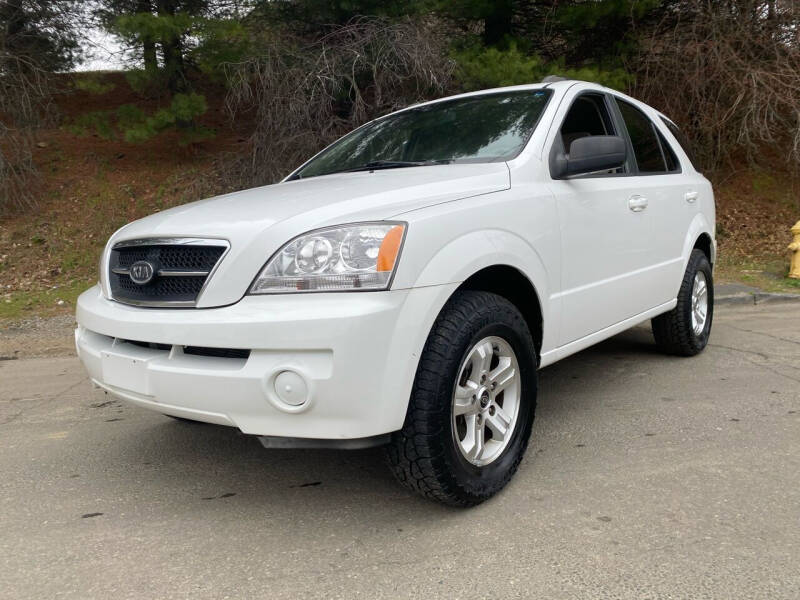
(673, 330)
(416, 453)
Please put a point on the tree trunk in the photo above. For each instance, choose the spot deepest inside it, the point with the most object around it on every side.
(150, 57)
(172, 50)
(148, 43)
(14, 18)
(497, 24)
(173, 65)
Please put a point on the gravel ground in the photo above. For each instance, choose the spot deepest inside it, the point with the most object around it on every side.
(37, 337)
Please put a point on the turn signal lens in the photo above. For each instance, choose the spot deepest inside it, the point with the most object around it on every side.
(390, 248)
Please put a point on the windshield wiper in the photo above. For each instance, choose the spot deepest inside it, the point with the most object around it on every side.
(394, 164)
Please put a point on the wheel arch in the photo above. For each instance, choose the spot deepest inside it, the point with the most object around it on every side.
(706, 245)
(501, 262)
(700, 235)
(510, 283)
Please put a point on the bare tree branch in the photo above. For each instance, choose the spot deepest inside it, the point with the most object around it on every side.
(305, 95)
(729, 74)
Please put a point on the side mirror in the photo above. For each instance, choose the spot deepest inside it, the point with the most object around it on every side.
(591, 154)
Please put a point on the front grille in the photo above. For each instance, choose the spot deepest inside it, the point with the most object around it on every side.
(162, 272)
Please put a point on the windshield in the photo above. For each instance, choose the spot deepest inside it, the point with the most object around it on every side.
(484, 128)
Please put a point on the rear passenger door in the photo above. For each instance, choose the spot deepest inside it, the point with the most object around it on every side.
(670, 200)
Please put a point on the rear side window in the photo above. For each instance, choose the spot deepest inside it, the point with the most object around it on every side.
(644, 138)
(669, 155)
(683, 141)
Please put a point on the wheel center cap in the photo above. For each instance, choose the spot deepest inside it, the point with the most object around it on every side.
(485, 399)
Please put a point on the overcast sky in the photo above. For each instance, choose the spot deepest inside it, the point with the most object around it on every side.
(103, 52)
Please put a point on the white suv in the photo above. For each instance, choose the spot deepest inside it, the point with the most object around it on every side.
(402, 287)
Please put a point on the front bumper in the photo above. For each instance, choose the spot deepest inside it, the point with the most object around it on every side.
(356, 355)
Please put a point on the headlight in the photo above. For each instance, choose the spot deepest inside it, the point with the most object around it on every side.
(350, 257)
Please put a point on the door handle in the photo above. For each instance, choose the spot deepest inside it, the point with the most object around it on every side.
(637, 203)
(691, 197)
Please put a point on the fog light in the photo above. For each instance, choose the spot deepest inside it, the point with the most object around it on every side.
(291, 388)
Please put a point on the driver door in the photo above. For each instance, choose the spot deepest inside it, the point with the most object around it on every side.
(605, 232)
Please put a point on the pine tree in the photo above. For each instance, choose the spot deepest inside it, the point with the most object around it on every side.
(109, 12)
(153, 26)
(39, 33)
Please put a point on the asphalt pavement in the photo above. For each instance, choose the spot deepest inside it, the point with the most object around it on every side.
(647, 477)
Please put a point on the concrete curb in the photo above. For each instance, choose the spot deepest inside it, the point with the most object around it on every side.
(756, 298)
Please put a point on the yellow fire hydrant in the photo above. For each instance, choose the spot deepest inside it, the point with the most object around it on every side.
(794, 268)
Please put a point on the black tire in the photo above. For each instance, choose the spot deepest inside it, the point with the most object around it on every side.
(424, 455)
(673, 330)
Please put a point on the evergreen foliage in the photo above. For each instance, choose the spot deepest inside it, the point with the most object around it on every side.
(487, 67)
(41, 34)
(132, 124)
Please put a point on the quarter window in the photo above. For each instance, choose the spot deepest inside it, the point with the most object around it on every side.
(683, 141)
(672, 161)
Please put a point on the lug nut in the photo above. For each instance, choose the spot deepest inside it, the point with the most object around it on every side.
(483, 378)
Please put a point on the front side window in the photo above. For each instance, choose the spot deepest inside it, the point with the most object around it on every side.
(587, 116)
(483, 128)
(651, 155)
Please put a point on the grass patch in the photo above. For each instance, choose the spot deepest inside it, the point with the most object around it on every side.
(769, 275)
(22, 304)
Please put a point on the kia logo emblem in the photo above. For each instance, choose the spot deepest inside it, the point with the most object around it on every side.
(142, 272)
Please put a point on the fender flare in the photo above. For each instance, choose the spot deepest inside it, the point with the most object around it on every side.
(698, 227)
(478, 250)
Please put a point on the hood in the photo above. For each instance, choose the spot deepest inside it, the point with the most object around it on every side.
(257, 222)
